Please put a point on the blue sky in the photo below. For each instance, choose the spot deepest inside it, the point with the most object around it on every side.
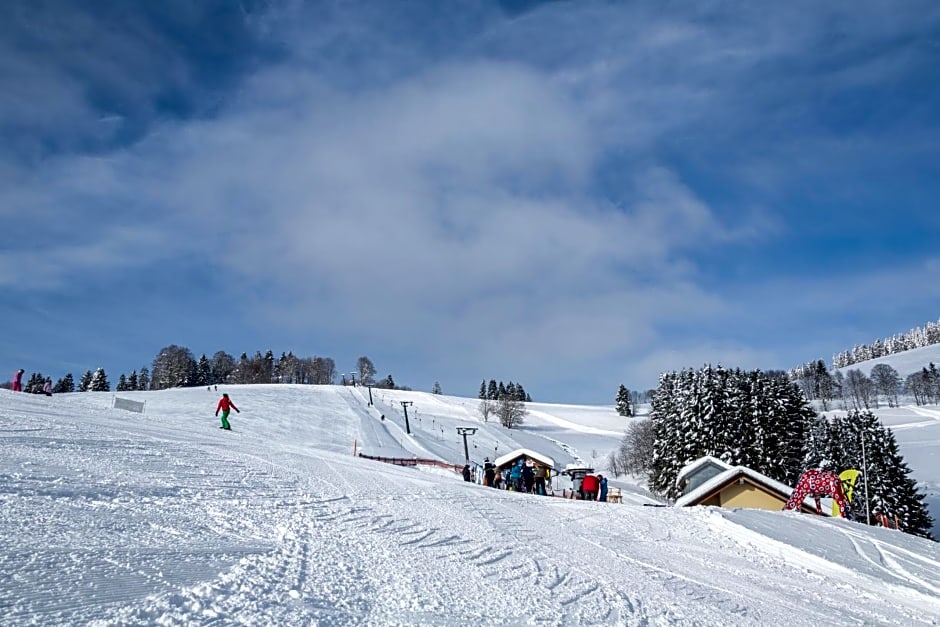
(572, 195)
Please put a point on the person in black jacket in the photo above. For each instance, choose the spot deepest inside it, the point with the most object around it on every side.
(466, 472)
(528, 478)
(489, 472)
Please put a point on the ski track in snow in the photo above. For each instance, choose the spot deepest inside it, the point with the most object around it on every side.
(115, 519)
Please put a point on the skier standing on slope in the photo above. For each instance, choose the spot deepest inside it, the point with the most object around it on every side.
(225, 406)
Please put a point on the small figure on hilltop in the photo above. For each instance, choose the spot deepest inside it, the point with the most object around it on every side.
(18, 380)
(47, 387)
(225, 406)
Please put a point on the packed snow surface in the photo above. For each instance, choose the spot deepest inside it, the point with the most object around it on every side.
(116, 518)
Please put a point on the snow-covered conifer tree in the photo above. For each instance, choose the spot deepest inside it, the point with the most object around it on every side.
(143, 380)
(99, 382)
(891, 490)
(203, 371)
(624, 406)
(65, 385)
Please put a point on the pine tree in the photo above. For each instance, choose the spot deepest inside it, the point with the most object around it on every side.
(721, 434)
(143, 380)
(34, 383)
(267, 367)
(436, 389)
(891, 490)
(99, 382)
(203, 371)
(669, 432)
(482, 394)
(65, 385)
(132, 380)
(934, 382)
(492, 392)
(281, 369)
(521, 393)
(624, 407)
(85, 382)
(792, 418)
(121, 384)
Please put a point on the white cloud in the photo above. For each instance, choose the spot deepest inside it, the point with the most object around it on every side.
(457, 195)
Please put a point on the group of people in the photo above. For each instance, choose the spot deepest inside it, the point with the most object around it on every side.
(520, 477)
(18, 384)
(593, 488)
(529, 477)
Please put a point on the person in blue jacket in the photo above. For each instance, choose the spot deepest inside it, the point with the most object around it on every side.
(602, 486)
(515, 476)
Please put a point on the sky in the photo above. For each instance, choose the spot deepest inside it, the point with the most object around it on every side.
(570, 195)
(160, 518)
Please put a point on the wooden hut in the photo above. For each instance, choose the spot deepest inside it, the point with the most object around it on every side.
(709, 481)
(509, 459)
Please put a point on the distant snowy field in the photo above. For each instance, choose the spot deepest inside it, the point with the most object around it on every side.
(115, 518)
(917, 429)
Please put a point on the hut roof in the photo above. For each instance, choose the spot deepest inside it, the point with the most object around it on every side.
(511, 456)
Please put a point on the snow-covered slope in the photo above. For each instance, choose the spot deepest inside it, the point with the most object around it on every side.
(115, 518)
(917, 429)
(905, 362)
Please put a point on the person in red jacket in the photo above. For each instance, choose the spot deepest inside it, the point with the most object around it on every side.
(589, 485)
(18, 380)
(225, 406)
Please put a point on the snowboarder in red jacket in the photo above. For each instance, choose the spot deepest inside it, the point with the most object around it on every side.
(225, 406)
